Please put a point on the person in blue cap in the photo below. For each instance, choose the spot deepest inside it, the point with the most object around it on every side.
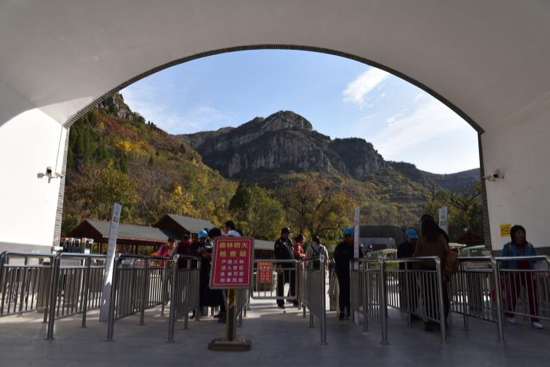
(343, 254)
(406, 250)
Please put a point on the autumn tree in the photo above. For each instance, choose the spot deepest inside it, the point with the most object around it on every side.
(315, 209)
(256, 212)
(100, 188)
(465, 210)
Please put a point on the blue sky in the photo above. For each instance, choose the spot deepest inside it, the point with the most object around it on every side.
(340, 97)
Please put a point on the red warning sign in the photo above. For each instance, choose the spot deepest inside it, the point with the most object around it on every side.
(232, 262)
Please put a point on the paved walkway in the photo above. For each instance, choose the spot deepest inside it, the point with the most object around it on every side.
(279, 339)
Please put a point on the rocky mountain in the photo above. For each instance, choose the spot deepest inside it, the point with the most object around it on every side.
(451, 181)
(265, 150)
(114, 155)
(284, 142)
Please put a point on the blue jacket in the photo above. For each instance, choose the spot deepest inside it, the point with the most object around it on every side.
(511, 250)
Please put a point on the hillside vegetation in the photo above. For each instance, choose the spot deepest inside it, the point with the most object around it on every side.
(264, 174)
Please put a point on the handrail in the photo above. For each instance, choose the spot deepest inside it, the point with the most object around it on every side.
(410, 259)
(25, 254)
(520, 258)
(289, 261)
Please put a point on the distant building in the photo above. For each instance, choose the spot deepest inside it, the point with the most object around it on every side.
(128, 234)
(376, 238)
(470, 238)
(180, 225)
(136, 237)
(264, 249)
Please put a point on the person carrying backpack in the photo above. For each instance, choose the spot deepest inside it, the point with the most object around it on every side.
(316, 249)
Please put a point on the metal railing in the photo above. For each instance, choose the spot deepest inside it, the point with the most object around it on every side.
(383, 283)
(139, 283)
(76, 287)
(270, 277)
(184, 293)
(25, 281)
(243, 296)
(473, 291)
(525, 286)
(366, 290)
(313, 292)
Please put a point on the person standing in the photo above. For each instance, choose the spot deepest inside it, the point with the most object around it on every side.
(440, 230)
(343, 254)
(231, 230)
(433, 243)
(166, 249)
(521, 277)
(407, 283)
(182, 248)
(286, 271)
(317, 249)
(198, 249)
(299, 253)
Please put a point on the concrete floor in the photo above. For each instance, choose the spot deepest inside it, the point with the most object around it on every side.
(279, 339)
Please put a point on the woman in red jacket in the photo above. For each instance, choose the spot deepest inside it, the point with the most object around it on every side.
(299, 253)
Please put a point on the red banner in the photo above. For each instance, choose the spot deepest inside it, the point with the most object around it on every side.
(265, 272)
(232, 262)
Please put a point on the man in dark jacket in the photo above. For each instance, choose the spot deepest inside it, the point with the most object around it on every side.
(343, 254)
(286, 271)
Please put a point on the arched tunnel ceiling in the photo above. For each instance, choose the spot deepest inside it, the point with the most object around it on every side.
(489, 58)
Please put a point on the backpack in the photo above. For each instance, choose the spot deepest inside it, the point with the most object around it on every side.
(316, 264)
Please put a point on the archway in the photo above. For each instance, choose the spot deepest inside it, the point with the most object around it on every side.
(62, 63)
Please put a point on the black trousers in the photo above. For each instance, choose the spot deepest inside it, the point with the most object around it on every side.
(345, 296)
(286, 276)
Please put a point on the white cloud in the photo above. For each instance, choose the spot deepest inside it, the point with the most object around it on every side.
(433, 136)
(358, 90)
(145, 100)
(397, 116)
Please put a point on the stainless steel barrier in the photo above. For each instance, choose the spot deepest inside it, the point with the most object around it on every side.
(76, 288)
(25, 281)
(525, 282)
(270, 277)
(138, 284)
(313, 292)
(419, 279)
(185, 292)
(242, 304)
(423, 278)
(474, 292)
(366, 290)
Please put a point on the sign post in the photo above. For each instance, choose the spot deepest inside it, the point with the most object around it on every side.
(108, 277)
(265, 273)
(356, 233)
(443, 219)
(232, 262)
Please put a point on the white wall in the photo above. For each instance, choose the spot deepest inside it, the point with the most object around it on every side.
(520, 148)
(30, 141)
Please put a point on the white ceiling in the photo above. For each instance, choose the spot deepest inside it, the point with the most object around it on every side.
(489, 58)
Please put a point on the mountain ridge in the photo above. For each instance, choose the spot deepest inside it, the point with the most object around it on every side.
(286, 141)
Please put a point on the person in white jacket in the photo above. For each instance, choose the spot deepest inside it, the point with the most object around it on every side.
(316, 249)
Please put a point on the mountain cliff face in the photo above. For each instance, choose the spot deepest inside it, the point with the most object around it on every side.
(284, 142)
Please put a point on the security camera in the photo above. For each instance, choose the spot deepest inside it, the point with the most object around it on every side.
(498, 174)
(495, 176)
(49, 171)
